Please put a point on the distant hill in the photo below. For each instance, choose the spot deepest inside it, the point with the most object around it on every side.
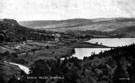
(125, 31)
(10, 30)
(101, 24)
(54, 24)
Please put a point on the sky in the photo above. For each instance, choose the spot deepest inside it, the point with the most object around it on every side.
(65, 9)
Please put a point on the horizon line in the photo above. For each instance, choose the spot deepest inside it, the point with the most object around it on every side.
(70, 19)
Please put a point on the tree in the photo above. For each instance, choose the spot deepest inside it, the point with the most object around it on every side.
(40, 68)
(1, 37)
(72, 75)
(13, 80)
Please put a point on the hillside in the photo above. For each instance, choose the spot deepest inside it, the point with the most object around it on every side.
(119, 27)
(101, 24)
(114, 66)
(7, 71)
(125, 32)
(50, 54)
(12, 31)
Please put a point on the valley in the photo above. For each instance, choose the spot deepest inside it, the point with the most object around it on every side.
(51, 44)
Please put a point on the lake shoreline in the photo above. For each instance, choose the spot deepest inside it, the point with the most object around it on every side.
(89, 45)
(96, 45)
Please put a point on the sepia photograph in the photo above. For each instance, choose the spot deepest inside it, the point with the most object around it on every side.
(67, 41)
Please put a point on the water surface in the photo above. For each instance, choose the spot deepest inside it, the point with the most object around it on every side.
(113, 42)
(81, 52)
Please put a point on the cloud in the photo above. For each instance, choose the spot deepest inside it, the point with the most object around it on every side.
(1, 5)
(127, 6)
(61, 9)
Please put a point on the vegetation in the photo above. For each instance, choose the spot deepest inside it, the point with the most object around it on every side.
(114, 66)
(43, 51)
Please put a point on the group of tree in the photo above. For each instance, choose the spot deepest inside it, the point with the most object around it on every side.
(114, 66)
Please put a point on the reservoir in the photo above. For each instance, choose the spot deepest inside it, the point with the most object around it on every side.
(110, 42)
(113, 42)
